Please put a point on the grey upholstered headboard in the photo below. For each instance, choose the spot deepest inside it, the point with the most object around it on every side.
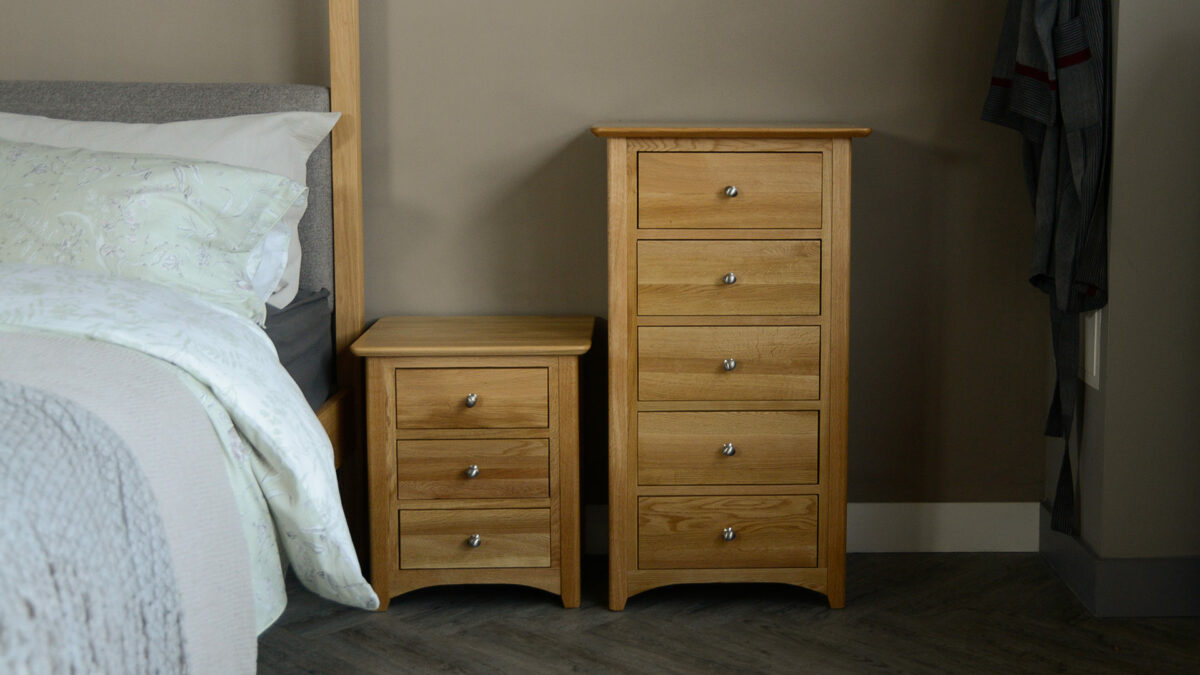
(156, 102)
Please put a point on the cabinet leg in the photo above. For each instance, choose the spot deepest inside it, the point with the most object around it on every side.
(571, 588)
(616, 599)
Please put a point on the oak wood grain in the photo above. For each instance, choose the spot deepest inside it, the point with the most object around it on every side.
(672, 328)
(839, 374)
(771, 363)
(686, 532)
(811, 578)
(436, 398)
(567, 480)
(761, 131)
(509, 538)
(688, 190)
(381, 478)
(506, 468)
(729, 489)
(686, 448)
(346, 149)
(544, 578)
(476, 336)
(621, 178)
(331, 415)
(689, 277)
(697, 406)
(476, 502)
(527, 488)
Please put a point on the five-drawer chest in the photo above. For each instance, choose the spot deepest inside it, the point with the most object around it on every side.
(729, 253)
(473, 451)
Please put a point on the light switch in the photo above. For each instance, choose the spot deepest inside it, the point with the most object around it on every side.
(1091, 348)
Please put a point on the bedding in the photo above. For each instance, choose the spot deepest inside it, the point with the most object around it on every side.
(303, 337)
(78, 513)
(278, 143)
(186, 223)
(278, 457)
(196, 506)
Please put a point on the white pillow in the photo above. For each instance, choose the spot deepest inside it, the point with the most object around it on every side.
(278, 143)
(186, 223)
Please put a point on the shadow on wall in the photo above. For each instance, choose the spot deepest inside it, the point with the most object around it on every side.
(894, 315)
(945, 362)
(593, 438)
(547, 247)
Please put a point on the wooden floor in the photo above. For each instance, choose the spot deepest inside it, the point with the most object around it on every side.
(908, 613)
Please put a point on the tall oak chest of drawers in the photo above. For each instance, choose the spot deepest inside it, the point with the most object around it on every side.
(729, 270)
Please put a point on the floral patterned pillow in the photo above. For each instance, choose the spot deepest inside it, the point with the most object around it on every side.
(189, 224)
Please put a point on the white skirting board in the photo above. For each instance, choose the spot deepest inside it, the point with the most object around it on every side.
(942, 527)
(907, 527)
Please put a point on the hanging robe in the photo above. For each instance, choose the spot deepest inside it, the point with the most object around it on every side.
(1052, 82)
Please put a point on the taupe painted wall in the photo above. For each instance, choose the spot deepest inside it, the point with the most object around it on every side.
(1139, 492)
(484, 192)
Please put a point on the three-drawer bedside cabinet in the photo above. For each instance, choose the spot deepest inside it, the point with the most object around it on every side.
(473, 451)
(729, 270)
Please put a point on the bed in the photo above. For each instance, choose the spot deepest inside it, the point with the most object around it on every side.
(169, 438)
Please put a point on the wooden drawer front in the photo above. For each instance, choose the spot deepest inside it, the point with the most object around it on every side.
(435, 539)
(505, 468)
(689, 448)
(687, 189)
(771, 363)
(687, 532)
(436, 398)
(690, 277)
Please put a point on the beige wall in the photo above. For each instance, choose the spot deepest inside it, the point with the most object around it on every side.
(1141, 498)
(484, 191)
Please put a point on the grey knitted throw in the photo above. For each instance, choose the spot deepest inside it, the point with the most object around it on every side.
(86, 580)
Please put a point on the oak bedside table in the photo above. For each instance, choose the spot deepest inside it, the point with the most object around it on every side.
(473, 451)
(729, 271)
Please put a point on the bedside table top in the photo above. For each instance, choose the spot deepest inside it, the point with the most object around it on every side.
(476, 336)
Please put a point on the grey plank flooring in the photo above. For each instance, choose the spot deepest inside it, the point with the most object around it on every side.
(905, 613)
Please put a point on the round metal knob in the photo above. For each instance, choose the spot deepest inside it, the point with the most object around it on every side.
(730, 279)
(731, 191)
(472, 399)
(728, 450)
(727, 534)
(729, 364)
(474, 541)
(472, 471)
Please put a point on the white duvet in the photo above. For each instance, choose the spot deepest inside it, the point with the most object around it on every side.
(279, 459)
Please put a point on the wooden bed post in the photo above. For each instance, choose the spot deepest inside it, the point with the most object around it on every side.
(347, 176)
(347, 416)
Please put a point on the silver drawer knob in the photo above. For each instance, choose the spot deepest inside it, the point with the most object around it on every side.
(727, 534)
(472, 399)
(474, 541)
(472, 471)
(731, 191)
(729, 364)
(728, 450)
(730, 279)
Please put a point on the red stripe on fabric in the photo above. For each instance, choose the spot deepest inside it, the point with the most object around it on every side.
(1001, 82)
(1073, 59)
(1034, 73)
